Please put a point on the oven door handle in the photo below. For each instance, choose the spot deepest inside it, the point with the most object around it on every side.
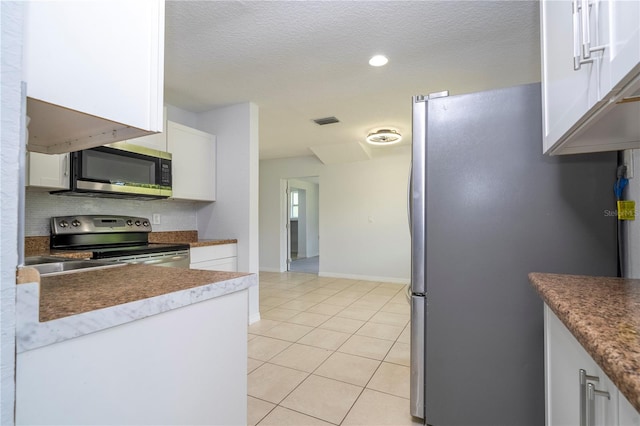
(165, 259)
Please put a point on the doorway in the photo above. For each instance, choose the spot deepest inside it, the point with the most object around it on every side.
(302, 218)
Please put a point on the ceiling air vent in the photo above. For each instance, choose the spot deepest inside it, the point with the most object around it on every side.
(326, 120)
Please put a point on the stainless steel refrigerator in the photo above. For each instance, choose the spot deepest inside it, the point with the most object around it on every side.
(487, 208)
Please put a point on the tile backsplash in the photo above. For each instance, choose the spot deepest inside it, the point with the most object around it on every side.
(41, 206)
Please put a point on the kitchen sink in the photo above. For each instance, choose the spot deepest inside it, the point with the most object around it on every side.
(70, 266)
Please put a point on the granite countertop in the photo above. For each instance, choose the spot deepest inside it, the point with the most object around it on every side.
(59, 307)
(207, 243)
(186, 237)
(604, 315)
(39, 245)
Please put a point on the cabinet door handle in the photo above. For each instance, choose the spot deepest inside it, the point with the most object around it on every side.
(592, 392)
(587, 50)
(586, 30)
(66, 165)
(575, 9)
(583, 378)
(582, 49)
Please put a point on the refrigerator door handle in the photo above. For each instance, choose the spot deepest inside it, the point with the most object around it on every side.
(409, 204)
(417, 197)
(417, 379)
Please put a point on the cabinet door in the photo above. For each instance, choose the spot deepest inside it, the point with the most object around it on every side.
(193, 162)
(103, 58)
(94, 72)
(564, 357)
(155, 141)
(627, 414)
(615, 26)
(48, 170)
(567, 94)
(624, 30)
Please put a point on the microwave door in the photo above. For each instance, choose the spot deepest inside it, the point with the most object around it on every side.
(115, 173)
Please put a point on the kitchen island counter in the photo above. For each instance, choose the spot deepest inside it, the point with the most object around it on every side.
(603, 314)
(56, 308)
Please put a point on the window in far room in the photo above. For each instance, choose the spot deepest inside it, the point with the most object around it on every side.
(294, 205)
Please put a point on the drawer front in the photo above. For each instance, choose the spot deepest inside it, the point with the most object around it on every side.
(201, 254)
(228, 264)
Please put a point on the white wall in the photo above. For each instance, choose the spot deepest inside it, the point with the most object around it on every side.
(11, 15)
(181, 116)
(362, 214)
(235, 213)
(273, 180)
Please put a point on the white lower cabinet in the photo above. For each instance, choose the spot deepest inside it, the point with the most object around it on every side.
(222, 257)
(578, 392)
(184, 366)
(627, 414)
(48, 170)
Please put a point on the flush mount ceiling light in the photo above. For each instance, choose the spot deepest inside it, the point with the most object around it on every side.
(378, 61)
(384, 137)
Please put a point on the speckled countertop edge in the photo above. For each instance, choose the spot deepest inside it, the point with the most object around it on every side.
(117, 309)
(603, 314)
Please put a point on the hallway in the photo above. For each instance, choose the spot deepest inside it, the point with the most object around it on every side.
(329, 351)
(307, 265)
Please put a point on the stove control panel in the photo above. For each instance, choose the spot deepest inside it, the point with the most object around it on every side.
(98, 224)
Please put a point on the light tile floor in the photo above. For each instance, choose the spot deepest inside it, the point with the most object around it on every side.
(329, 351)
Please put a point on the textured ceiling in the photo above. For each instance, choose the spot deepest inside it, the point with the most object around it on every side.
(302, 60)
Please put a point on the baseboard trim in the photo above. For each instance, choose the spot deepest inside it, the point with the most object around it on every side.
(270, 270)
(254, 318)
(394, 280)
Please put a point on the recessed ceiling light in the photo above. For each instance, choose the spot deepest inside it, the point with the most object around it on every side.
(378, 61)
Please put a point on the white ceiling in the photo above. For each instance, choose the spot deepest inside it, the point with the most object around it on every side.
(302, 60)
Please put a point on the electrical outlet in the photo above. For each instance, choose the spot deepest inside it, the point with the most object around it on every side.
(156, 219)
(627, 160)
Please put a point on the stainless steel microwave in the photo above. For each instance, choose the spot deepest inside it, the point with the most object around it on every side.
(120, 170)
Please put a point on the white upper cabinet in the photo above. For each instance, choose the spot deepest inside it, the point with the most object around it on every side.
(157, 141)
(193, 163)
(48, 170)
(94, 72)
(590, 75)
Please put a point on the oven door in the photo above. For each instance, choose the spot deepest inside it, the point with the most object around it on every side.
(177, 259)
